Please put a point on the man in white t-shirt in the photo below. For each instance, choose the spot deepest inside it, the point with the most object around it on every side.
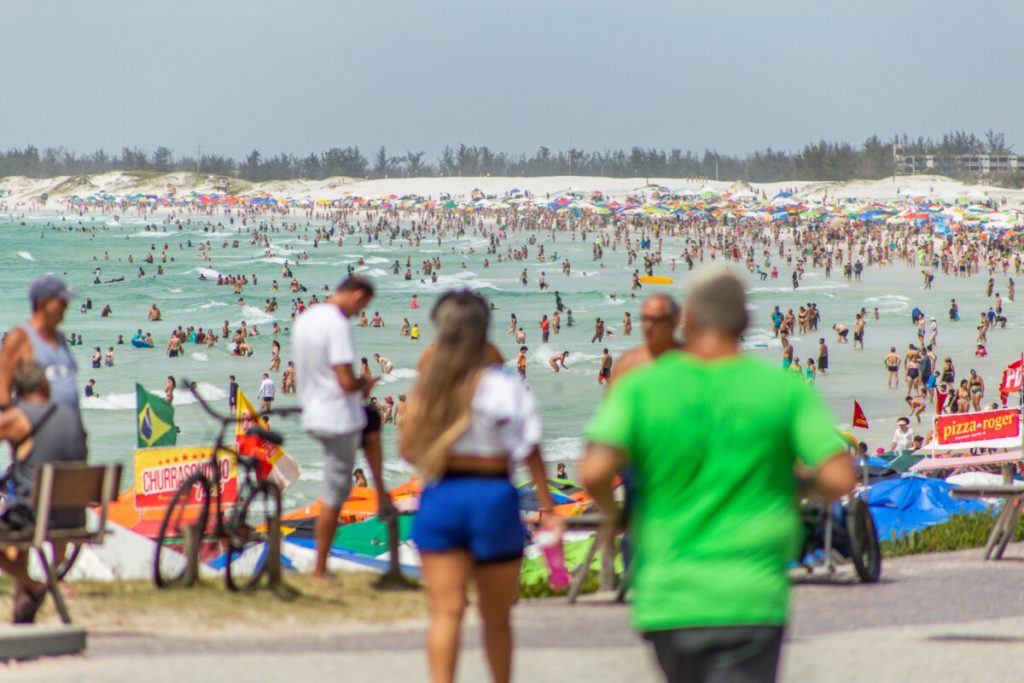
(266, 393)
(331, 395)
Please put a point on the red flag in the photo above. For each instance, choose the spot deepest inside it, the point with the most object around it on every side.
(940, 402)
(1013, 377)
(859, 420)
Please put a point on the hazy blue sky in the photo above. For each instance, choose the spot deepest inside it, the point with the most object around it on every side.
(304, 75)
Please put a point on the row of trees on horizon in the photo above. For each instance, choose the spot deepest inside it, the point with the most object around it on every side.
(872, 159)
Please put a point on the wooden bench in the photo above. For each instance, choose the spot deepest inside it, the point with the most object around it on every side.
(66, 487)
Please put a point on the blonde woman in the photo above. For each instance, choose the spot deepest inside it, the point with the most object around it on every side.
(468, 423)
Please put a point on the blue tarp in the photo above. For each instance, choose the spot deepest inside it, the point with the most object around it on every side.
(902, 506)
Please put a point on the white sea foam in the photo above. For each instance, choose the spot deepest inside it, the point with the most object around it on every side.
(888, 303)
(399, 374)
(543, 353)
(802, 288)
(199, 356)
(182, 396)
(27, 256)
(563, 448)
(465, 278)
(759, 341)
(109, 402)
(208, 391)
(256, 316)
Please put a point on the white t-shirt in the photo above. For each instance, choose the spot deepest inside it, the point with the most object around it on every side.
(266, 390)
(904, 440)
(322, 340)
(505, 418)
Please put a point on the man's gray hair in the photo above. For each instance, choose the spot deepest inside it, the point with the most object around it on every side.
(27, 377)
(717, 301)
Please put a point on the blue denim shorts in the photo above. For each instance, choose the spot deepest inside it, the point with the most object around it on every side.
(479, 514)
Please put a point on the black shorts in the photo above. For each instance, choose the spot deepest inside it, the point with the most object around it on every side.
(823, 362)
(858, 336)
(605, 373)
(724, 653)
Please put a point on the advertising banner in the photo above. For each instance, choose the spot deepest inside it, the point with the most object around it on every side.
(160, 471)
(967, 427)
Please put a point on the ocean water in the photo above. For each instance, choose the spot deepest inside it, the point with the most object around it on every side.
(41, 243)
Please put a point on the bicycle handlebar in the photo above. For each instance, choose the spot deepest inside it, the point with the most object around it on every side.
(231, 418)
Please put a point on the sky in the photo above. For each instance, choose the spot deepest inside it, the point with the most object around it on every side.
(305, 75)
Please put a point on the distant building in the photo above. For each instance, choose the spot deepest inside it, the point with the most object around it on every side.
(967, 164)
(983, 164)
(910, 164)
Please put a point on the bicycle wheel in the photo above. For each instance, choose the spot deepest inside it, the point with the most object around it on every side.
(190, 505)
(248, 536)
(865, 552)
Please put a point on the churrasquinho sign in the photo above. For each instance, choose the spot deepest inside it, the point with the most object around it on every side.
(160, 471)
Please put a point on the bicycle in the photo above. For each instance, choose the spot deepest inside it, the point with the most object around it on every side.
(230, 534)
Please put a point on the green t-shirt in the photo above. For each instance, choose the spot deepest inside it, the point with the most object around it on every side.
(712, 447)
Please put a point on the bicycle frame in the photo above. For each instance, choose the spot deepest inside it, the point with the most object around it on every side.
(243, 462)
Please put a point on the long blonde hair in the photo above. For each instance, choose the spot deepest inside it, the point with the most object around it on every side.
(440, 407)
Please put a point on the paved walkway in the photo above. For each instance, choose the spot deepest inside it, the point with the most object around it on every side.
(935, 618)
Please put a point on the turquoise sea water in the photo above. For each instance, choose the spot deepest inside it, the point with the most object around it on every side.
(41, 243)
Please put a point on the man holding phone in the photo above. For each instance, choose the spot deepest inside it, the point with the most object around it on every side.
(331, 395)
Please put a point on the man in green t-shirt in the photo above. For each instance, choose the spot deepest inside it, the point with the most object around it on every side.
(713, 439)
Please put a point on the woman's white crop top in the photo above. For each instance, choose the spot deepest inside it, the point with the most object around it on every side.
(505, 418)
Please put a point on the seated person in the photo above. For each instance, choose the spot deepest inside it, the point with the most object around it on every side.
(39, 431)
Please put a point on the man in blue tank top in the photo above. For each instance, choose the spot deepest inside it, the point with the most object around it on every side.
(40, 342)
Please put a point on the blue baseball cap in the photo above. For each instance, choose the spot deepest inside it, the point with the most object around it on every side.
(49, 287)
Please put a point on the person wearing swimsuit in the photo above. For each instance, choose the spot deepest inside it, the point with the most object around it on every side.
(977, 386)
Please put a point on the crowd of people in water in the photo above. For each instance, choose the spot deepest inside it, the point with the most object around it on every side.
(638, 243)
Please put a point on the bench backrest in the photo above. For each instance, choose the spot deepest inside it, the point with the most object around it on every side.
(71, 486)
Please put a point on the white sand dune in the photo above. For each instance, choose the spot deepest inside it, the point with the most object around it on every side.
(24, 190)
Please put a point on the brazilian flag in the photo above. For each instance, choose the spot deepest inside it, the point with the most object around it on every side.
(155, 420)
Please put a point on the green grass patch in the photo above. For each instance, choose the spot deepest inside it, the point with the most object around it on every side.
(301, 602)
(960, 533)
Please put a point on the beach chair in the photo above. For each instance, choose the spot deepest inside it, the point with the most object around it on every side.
(592, 522)
(66, 487)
